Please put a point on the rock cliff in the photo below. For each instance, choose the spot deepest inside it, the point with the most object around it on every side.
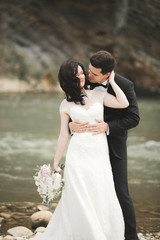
(36, 36)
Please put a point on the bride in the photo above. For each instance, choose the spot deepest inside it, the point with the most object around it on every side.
(89, 208)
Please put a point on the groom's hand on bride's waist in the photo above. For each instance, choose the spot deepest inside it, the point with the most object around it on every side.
(78, 127)
(100, 127)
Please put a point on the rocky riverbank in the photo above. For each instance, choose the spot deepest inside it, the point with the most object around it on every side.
(20, 221)
(32, 86)
(37, 36)
(23, 220)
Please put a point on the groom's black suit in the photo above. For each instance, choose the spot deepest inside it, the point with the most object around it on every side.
(119, 121)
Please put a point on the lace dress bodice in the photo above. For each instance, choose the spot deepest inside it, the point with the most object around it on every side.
(93, 108)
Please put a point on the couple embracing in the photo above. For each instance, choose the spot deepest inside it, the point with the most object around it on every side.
(95, 202)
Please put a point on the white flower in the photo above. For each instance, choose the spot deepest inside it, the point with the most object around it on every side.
(49, 184)
(57, 181)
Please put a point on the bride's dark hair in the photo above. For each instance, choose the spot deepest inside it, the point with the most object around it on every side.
(70, 83)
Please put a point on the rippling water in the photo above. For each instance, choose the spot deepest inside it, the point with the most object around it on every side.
(29, 127)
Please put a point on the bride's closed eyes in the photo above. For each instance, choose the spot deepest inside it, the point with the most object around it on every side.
(80, 74)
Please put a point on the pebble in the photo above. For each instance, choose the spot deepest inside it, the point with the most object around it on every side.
(20, 231)
(8, 237)
(40, 219)
(42, 208)
(5, 215)
(40, 230)
(148, 236)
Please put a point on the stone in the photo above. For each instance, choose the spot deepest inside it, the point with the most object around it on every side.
(1, 219)
(2, 208)
(42, 208)
(40, 230)
(141, 236)
(40, 219)
(5, 215)
(8, 237)
(20, 231)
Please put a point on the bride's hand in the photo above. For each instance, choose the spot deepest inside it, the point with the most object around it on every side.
(111, 77)
(57, 168)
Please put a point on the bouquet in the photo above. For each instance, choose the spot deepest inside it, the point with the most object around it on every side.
(49, 183)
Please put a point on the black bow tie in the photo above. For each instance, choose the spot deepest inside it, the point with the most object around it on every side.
(93, 85)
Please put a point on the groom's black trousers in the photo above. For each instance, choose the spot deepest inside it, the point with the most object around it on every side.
(119, 169)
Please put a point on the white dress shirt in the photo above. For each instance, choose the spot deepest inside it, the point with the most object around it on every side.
(104, 90)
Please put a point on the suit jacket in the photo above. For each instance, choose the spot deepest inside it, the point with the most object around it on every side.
(120, 120)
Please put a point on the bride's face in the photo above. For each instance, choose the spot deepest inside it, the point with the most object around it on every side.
(81, 76)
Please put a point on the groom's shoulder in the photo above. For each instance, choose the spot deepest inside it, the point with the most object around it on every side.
(122, 81)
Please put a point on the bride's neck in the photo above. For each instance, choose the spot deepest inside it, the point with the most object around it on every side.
(84, 92)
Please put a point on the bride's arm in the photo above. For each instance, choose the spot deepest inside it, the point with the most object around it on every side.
(62, 140)
(118, 101)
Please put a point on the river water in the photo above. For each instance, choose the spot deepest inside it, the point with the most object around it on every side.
(29, 127)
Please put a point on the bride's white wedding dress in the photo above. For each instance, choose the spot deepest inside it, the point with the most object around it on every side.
(89, 208)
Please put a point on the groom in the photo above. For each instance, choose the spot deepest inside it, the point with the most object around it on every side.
(116, 123)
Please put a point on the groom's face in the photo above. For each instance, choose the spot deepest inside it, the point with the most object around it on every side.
(95, 75)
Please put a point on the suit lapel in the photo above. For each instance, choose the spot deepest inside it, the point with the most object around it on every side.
(110, 90)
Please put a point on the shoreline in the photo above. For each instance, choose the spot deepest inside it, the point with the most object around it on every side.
(16, 86)
(14, 214)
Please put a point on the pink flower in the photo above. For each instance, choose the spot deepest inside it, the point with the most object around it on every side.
(45, 169)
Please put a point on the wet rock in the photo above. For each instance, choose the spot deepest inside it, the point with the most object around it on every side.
(158, 234)
(5, 215)
(40, 219)
(148, 236)
(141, 236)
(1, 219)
(20, 231)
(20, 213)
(8, 237)
(42, 208)
(3, 208)
(40, 230)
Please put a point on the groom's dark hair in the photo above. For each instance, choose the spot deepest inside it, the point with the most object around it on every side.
(104, 60)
